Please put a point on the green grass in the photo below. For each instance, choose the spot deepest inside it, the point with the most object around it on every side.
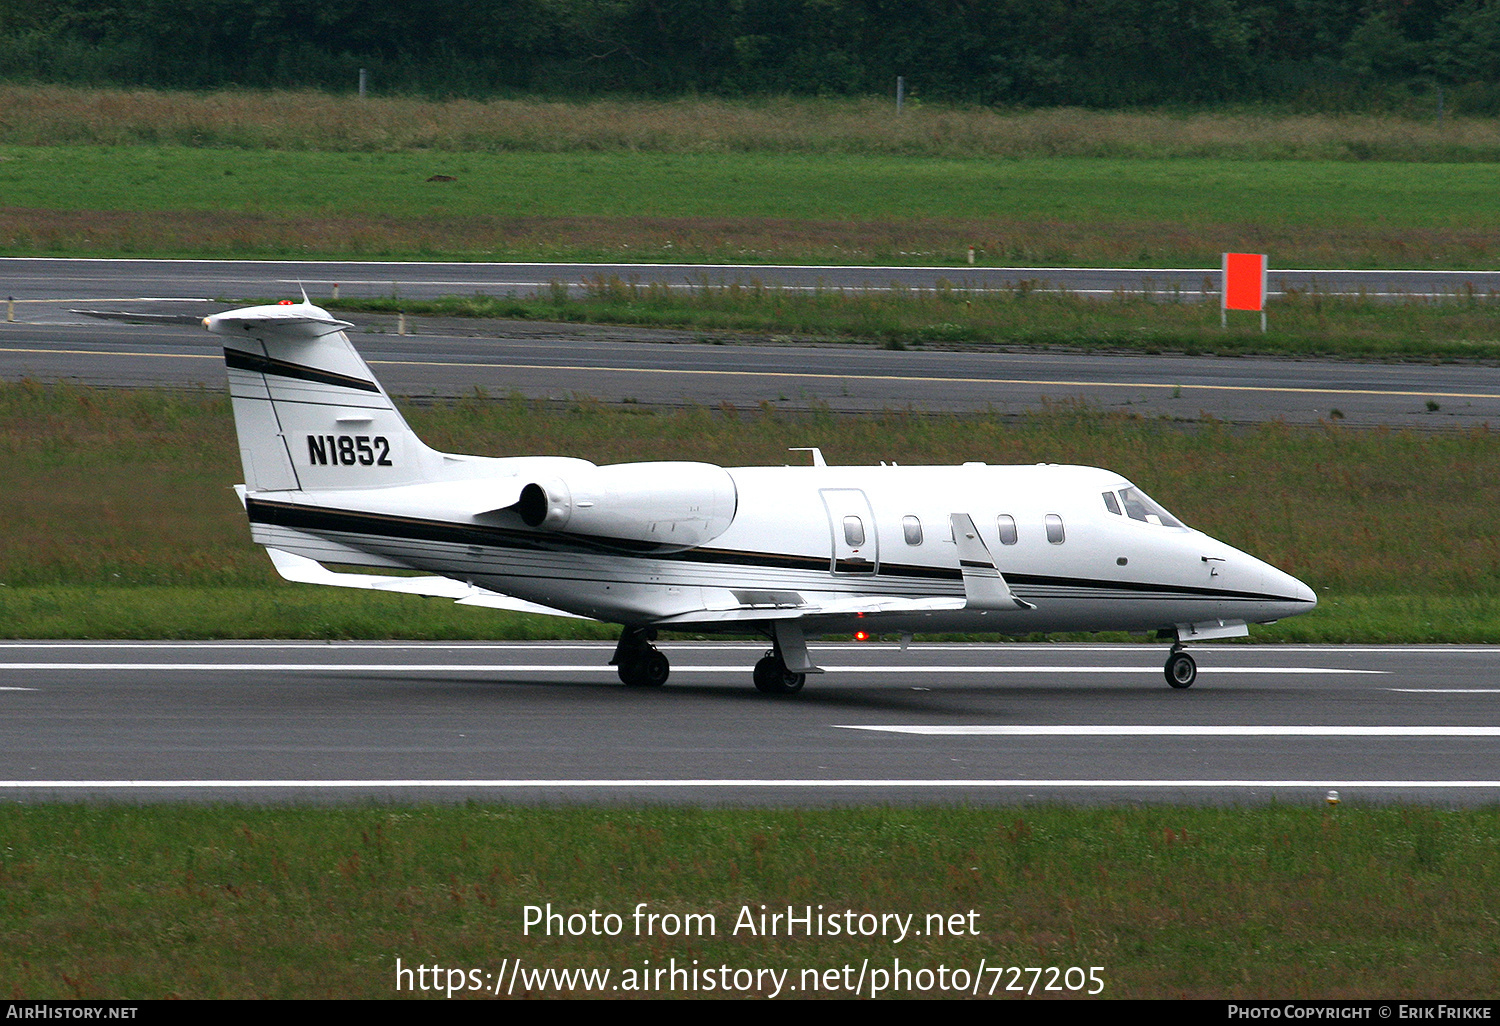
(742, 207)
(121, 522)
(796, 187)
(127, 902)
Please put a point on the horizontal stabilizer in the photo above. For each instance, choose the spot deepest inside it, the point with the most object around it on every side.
(302, 570)
(292, 321)
(984, 587)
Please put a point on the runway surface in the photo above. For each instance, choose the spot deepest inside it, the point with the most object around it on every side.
(622, 364)
(272, 722)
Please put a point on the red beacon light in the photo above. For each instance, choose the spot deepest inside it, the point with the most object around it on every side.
(861, 635)
(285, 302)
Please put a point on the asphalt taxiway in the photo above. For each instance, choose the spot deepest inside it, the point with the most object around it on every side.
(271, 721)
(50, 341)
(447, 358)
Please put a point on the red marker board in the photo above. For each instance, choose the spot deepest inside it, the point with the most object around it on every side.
(1244, 281)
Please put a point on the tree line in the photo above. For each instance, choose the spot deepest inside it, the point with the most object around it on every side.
(1097, 53)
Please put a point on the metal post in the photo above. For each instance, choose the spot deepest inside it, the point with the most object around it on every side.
(10, 309)
(364, 81)
(900, 92)
(335, 290)
(971, 254)
(401, 324)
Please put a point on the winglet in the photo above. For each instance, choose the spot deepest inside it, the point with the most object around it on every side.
(984, 587)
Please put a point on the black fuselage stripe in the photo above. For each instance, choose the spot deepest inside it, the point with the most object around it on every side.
(380, 525)
(239, 359)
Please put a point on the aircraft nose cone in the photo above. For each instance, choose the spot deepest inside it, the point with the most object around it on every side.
(1305, 594)
(1292, 590)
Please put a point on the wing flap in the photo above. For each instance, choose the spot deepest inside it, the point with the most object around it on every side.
(302, 570)
(859, 605)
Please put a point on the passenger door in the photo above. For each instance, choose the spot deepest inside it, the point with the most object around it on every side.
(851, 522)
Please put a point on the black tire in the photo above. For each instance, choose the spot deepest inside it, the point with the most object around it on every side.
(648, 669)
(773, 678)
(1181, 670)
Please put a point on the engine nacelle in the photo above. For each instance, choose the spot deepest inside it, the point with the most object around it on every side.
(674, 504)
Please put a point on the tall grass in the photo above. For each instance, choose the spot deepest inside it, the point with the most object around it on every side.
(50, 115)
(56, 114)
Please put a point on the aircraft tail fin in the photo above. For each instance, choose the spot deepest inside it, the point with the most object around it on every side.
(309, 413)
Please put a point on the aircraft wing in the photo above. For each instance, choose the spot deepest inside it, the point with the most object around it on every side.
(303, 570)
(141, 318)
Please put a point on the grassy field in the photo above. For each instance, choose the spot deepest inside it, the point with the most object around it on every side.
(119, 901)
(245, 174)
(1196, 193)
(741, 207)
(115, 499)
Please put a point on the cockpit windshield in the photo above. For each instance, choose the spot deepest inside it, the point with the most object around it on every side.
(1137, 505)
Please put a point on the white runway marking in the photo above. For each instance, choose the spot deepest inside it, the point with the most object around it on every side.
(1447, 691)
(1194, 730)
(602, 668)
(739, 783)
(998, 649)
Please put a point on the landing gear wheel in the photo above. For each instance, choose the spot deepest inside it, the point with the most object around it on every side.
(1181, 670)
(773, 678)
(645, 669)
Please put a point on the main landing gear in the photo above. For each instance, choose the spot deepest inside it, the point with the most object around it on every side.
(773, 678)
(639, 663)
(1181, 669)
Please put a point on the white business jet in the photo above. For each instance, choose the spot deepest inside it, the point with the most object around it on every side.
(333, 475)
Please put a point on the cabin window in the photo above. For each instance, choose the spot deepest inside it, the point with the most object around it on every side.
(854, 531)
(1140, 506)
(1111, 504)
(1054, 529)
(1007, 525)
(911, 528)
